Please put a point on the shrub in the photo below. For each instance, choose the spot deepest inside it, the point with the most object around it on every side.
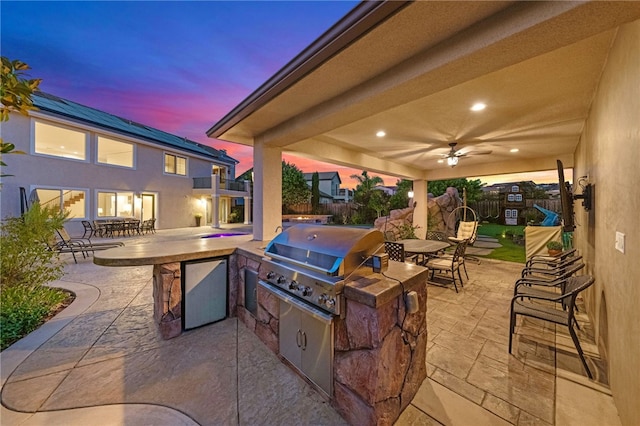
(25, 257)
(554, 245)
(24, 308)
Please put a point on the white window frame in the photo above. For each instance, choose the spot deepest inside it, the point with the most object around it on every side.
(186, 164)
(62, 191)
(111, 138)
(116, 192)
(86, 133)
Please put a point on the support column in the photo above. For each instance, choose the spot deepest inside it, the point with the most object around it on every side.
(247, 210)
(267, 191)
(420, 211)
(215, 206)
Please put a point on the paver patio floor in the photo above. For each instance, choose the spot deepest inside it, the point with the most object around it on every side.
(221, 374)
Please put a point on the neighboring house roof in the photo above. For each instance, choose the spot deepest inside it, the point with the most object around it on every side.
(56, 105)
(323, 176)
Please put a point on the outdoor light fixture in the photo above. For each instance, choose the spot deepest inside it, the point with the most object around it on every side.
(381, 133)
(452, 161)
(514, 150)
(478, 106)
(410, 194)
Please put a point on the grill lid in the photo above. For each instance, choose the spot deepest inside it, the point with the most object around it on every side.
(331, 250)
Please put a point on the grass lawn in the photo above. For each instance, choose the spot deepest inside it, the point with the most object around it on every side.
(509, 251)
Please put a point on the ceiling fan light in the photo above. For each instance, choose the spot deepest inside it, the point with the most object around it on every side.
(452, 161)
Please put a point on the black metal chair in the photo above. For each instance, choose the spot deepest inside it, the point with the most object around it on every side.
(530, 305)
(544, 260)
(449, 264)
(550, 270)
(394, 250)
(88, 229)
(83, 245)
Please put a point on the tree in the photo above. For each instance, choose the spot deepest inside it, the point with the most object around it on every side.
(363, 193)
(473, 187)
(294, 187)
(16, 94)
(400, 199)
(315, 192)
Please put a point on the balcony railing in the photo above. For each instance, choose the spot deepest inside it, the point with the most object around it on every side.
(205, 183)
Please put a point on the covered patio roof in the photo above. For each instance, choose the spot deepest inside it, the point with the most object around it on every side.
(414, 69)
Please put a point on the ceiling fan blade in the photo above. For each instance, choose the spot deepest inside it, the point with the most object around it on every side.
(479, 152)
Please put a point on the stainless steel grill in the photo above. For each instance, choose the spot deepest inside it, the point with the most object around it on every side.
(312, 261)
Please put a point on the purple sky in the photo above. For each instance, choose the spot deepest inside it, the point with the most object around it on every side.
(175, 66)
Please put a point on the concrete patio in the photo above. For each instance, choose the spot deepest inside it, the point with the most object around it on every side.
(102, 361)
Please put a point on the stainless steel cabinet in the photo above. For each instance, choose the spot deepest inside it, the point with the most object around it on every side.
(306, 341)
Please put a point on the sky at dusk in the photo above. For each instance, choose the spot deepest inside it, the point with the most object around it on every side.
(176, 66)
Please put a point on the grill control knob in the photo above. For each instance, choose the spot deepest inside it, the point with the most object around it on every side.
(270, 275)
(281, 279)
(293, 285)
(307, 291)
(330, 303)
(322, 299)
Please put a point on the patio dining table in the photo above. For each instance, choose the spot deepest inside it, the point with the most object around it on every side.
(423, 248)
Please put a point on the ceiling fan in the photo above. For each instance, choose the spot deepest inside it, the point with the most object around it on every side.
(453, 156)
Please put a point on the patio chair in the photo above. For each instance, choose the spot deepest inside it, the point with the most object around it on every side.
(88, 229)
(148, 226)
(547, 281)
(534, 306)
(449, 264)
(83, 244)
(60, 246)
(540, 259)
(553, 269)
(100, 228)
(467, 228)
(394, 250)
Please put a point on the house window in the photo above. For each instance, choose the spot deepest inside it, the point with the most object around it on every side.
(71, 200)
(519, 197)
(115, 153)
(510, 198)
(515, 188)
(115, 204)
(60, 141)
(175, 165)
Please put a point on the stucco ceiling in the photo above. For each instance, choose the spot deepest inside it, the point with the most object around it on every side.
(415, 75)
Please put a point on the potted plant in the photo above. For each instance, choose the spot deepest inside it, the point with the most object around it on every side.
(554, 248)
(198, 217)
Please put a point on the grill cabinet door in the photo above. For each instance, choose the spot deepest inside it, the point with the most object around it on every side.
(290, 334)
(317, 351)
(307, 343)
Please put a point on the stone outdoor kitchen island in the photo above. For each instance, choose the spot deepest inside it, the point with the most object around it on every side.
(379, 349)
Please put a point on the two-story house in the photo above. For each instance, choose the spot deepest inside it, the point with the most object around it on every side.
(100, 166)
(329, 185)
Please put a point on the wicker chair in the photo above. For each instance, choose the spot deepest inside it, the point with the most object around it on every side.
(530, 305)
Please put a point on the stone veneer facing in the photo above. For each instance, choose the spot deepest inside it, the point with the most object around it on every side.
(167, 299)
(377, 374)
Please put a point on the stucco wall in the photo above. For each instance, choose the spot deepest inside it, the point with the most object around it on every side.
(175, 205)
(609, 153)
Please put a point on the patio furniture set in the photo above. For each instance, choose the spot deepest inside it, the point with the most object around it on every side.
(547, 290)
(117, 227)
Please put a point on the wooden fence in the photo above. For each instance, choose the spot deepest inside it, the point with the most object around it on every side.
(341, 211)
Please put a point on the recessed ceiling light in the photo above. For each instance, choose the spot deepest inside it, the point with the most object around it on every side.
(514, 150)
(381, 134)
(440, 161)
(478, 106)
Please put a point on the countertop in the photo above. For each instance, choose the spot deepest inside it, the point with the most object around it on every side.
(176, 251)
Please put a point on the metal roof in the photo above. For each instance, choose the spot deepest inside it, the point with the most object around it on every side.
(56, 105)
